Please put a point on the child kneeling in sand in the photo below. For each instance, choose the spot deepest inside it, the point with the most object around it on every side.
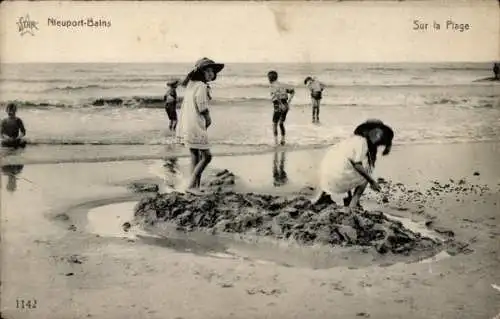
(349, 164)
(316, 89)
(195, 118)
(12, 130)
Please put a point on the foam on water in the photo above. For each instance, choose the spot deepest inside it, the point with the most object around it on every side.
(71, 103)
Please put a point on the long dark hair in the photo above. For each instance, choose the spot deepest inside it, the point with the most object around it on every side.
(386, 140)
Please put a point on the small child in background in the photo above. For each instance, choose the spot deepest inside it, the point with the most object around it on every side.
(316, 88)
(281, 97)
(12, 128)
(170, 99)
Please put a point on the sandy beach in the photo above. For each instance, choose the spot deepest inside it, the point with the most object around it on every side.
(78, 265)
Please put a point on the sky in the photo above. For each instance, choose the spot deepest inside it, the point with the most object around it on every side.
(251, 32)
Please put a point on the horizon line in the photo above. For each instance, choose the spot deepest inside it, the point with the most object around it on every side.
(246, 62)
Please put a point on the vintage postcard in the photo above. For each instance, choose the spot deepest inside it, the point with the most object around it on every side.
(231, 159)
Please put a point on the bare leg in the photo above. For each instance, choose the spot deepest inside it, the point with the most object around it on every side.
(313, 111)
(282, 129)
(357, 195)
(275, 132)
(195, 158)
(205, 159)
(317, 110)
(347, 200)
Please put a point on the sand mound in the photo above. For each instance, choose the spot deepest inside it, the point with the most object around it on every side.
(292, 218)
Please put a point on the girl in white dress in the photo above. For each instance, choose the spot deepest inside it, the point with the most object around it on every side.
(194, 118)
(347, 166)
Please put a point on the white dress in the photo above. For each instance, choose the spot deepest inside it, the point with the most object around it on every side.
(191, 129)
(337, 174)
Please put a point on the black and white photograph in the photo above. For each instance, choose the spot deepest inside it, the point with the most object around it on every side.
(238, 159)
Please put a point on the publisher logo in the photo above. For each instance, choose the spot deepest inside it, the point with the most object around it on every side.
(27, 26)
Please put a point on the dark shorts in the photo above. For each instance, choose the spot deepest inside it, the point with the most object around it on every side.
(279, 115)
(14, 143)
(171, 112)
(316, 95)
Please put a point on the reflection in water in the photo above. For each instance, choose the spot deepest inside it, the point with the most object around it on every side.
(11, 171)
(279, 173)
(171, 171)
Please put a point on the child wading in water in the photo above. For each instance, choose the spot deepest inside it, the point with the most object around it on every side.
(170, 99)
(195, 118)
(316, 88)
(348, 165)
(281, 96)
(12, 130)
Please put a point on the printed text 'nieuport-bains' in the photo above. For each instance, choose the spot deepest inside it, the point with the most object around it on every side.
(75, 23)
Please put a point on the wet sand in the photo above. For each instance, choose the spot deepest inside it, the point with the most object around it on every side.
(49, 254)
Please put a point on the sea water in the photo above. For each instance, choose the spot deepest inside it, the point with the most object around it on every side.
(424, 103)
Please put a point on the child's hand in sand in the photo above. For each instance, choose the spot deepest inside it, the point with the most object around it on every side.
(375, 186)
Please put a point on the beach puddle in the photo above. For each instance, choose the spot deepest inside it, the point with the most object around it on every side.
(109, 220)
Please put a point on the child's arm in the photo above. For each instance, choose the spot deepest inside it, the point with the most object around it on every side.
(206, 116)
(358, 166)
(201, 101)
(21, 128)
(4, 135)
(291, 92)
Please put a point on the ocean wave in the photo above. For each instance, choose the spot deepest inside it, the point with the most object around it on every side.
(447, 101)
(86, 87)
(76, 87)
(385, 69)
(35, 80)
(111, 79)
(34, 104)
(256, 143)
(133, 102)
(447, 68)
(157, 102)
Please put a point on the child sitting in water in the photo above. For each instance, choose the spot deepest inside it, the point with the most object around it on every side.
(170, 99)
(12, 130)
(316, 88)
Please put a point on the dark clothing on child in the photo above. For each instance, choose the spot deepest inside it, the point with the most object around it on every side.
(171, 104)
(280, 111)
(12, 126)
(279, 97)
(317, 95)
(14, 143)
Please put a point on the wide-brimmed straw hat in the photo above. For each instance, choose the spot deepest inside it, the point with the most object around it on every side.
(204, 63)
(173, 82)
(368, 125)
